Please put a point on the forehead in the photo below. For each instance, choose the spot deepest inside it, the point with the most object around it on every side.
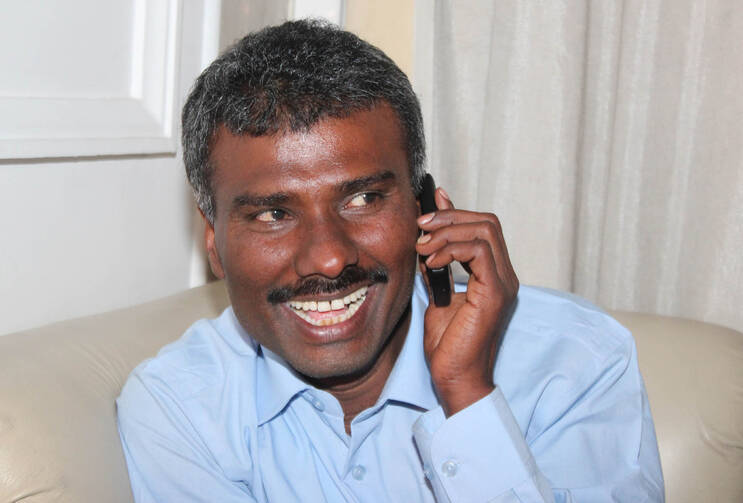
(330, 151)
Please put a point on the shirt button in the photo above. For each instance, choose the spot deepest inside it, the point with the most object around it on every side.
(318, 404)
(449, 468)
(358, 472)
(427, 472)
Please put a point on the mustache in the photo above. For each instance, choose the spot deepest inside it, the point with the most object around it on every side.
(351, 275)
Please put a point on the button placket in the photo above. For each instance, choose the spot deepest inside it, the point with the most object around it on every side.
(428, 472)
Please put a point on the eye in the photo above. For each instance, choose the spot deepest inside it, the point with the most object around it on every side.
(272, 215)
(363, 199)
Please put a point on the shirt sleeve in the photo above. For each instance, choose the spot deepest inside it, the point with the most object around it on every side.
(166, 459)
(599, 446)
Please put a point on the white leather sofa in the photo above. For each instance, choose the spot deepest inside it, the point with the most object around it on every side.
(58, 438)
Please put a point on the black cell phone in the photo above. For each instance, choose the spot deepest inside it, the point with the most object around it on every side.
(438, 279)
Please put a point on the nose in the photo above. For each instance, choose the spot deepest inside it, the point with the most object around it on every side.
(326, 248)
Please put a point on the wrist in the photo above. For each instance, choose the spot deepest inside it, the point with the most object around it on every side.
(456, 398)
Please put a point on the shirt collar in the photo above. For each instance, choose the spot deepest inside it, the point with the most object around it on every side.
(409, 382)
(276, 384)
(410, 379)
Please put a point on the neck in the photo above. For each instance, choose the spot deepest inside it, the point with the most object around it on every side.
(360, 390)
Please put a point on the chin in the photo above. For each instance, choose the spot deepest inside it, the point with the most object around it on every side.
(335, 368)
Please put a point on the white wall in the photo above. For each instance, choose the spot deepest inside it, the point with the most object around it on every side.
(95, 213)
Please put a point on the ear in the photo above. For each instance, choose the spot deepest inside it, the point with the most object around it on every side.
(211, 249)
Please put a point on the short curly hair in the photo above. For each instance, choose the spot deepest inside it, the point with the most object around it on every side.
(287, 78)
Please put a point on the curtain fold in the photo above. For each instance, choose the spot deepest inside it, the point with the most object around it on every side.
(608, 138)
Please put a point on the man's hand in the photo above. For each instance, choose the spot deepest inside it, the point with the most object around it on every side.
(461, 340)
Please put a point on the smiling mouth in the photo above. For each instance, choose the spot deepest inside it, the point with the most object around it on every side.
(329, 312)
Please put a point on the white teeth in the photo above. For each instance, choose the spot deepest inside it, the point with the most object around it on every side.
(323, 306)
(349, 304)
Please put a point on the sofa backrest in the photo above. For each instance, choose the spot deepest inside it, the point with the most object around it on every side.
(693, 374)
(58, 436)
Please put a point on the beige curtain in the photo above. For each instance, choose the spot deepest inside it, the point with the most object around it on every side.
(606, 135)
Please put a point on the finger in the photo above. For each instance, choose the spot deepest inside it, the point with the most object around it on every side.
(444, 217)
(475, 252)
(442, 202)
(486, 230)
(442, 199)
(485, 287)
(433, 241)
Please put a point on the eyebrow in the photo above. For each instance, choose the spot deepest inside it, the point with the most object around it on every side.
(280, 198)
(248, 199)
(363, 182)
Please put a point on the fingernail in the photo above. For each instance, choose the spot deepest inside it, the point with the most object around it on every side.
(430, 258)
(424, 219)
(443, 193)
(425, 238)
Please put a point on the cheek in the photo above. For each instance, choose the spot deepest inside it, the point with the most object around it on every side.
(253, 266)
(391, 239)
(257, 262)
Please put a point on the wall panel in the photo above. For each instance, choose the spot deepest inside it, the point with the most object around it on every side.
(95, 211)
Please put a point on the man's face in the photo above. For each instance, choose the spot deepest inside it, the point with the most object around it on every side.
(315, 235)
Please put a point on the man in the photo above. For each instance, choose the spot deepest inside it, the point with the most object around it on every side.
(331, 378)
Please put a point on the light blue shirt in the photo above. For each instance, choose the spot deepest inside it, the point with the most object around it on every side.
(216, 417)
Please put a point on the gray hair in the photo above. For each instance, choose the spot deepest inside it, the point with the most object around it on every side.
(287, 78)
